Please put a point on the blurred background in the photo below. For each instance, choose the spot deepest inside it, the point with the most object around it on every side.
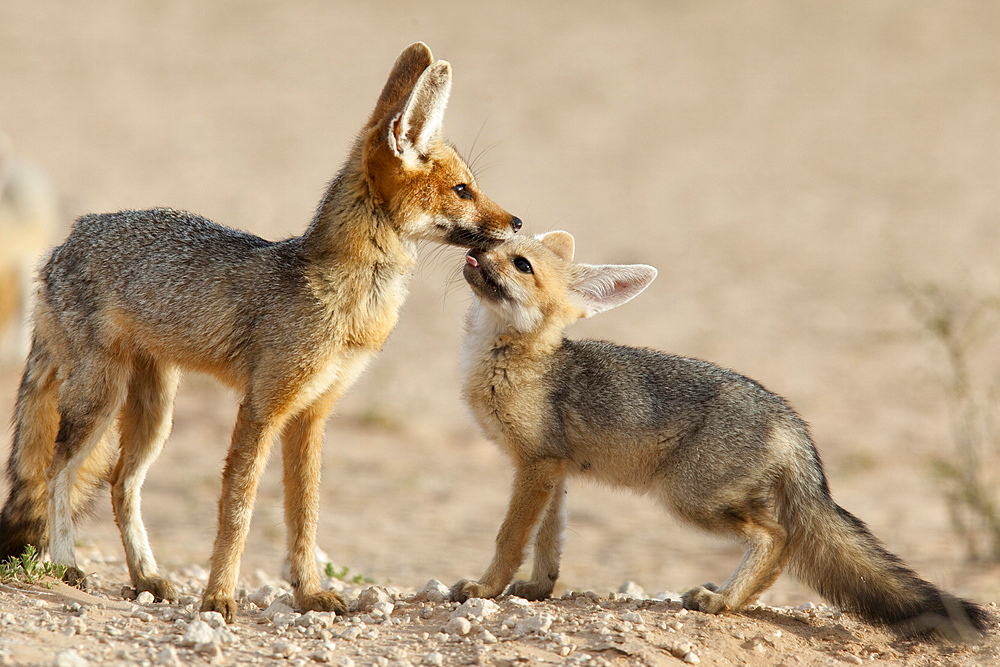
(817, 183)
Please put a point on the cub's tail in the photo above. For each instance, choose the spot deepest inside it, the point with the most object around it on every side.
(36, 423)
(836, 554)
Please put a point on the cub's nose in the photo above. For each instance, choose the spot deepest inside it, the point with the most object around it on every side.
(515, 223)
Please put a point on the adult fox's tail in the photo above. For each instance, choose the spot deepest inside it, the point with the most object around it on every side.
(36, 424)
(834, 552)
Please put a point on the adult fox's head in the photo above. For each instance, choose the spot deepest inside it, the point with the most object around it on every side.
(417, 177)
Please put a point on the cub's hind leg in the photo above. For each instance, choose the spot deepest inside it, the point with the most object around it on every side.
(145, 424)
(766, 556)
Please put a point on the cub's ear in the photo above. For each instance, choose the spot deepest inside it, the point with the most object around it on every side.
(412, 132)
(601, 288)
(559, 242)
(409, 66)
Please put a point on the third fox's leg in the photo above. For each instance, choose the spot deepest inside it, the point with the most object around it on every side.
(548, 549)
(145, 425)
(301, 460)
(535, 484)
(245, 462)
(89, 399)
(765, 558)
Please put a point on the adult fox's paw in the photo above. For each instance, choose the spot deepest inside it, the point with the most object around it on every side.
(531, 590)
(321, 601)
(466, 589)
(223, 604)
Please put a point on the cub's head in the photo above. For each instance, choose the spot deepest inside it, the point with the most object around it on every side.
(414, 174)
(530, 284)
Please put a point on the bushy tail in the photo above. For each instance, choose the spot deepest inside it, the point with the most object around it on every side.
(836, 554)
(36, 422)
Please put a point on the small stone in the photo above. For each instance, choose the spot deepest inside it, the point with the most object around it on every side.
(458, 625)
(435, 659)
(344, 661)
(277, 607)
(631, 617)
(69, 658)
(540, 623)
(265, 595)
(168, 657)
(353, 632)
(433, 591)
(145, 598)
(214, 619)
(487, 637)
(198, 632)
(806, 606)
(476, 609)
(691, 658)
(285, 650)
(852, 659)
(370, 597)
(632, 590)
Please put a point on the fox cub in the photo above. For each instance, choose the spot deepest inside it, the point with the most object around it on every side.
(132, 297)
(718, 449)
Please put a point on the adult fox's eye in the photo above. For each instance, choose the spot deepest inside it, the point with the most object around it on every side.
(522, 265)
(463, 191)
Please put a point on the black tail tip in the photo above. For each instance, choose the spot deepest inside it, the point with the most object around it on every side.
(958, 621)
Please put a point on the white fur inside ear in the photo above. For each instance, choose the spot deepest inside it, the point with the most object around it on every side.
(607, 286)
(419, 124)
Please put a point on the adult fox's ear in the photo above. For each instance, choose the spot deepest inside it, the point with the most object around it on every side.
(415, 128)
(559, 242)
(410, 64)
(601, 288)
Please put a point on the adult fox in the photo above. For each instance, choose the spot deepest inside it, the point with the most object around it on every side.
(133, 297)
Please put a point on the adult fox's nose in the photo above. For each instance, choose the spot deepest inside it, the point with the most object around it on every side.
(515, 223)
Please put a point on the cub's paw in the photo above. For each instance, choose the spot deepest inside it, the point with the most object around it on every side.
(321, 601)
(531, 590)
(161, 588)
(223, 604)
(466, 589)
(74, 576)
(704, 598)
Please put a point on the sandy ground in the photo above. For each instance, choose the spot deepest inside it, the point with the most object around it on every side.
(785, 165)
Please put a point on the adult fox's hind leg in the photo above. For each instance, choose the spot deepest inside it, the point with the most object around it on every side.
(145, 425)
(302, 446)
(89, 400)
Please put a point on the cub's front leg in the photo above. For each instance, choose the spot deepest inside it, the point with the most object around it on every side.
(535, 486)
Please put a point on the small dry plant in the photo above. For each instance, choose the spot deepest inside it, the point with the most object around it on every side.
(960, 327)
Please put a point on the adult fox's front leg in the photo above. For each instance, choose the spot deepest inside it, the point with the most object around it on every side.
(301, 453)
(245, 463)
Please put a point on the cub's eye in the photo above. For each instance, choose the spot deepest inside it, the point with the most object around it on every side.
(463, 191)
(522, 265)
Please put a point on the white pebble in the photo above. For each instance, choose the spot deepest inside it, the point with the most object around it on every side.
(145, 597)
(350, 633)
(540, 623)
(458, 625)
(691, 658)
(213, 618)
(69, 658)
(370, 597)
(435, 659)
(168, 657)
(476, 609)
(198, 632)
(631, 617)
(285, 650)
(433, 591)
(265, 595)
